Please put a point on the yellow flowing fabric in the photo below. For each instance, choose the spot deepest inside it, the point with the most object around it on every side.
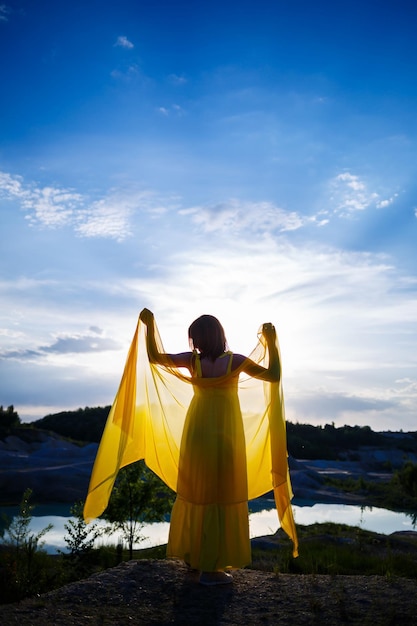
(217, 442)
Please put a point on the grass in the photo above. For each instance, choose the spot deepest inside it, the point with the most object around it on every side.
(331, 549)
(336, 549)
(328, 548)
(387, 495)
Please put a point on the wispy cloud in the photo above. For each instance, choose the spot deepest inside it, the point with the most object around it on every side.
(128, 74)
(12, 186)
(326, 404)
(175, 109)
(11, 334)
(123, 42)
(350, 194)
(176, 79)
(50, 207)
(382, 204)
(20, 355)
(236, 216)
(53, 207)
(4, 13)
(90, 341)
(109, 218)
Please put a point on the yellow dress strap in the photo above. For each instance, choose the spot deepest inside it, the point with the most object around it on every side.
(229, 365)
(197, 365)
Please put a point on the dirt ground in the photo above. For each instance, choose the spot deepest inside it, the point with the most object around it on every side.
(163, 592)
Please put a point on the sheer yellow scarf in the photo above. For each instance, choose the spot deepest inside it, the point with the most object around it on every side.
(147, 419)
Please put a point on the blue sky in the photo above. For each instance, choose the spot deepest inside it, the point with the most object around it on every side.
(256, 161)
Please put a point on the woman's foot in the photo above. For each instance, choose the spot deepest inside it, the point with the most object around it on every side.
(215, 578)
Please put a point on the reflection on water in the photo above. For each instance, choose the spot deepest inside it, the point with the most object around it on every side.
(263, 520)
(374, 519)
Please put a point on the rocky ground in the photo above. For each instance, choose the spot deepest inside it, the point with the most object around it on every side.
(166, 592)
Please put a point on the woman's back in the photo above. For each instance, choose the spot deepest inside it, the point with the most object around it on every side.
(205, 367)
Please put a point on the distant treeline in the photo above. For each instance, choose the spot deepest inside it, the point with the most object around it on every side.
(329, 442)
(84, 425)
(305, 441)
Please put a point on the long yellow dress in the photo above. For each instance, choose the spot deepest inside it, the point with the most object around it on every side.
(215, 454)
(209, 521)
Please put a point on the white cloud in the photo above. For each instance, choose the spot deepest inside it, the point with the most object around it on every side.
(123, 42)
(349, 194)
(131, 73)
(91, 341)
(51, 207)
(115, 216)
(9, 333)
(77, 343)
(110, 217)
(12, 186)
(351, 181)
(311, 291)
(4, 13)
(382, 204)
(235, 216)
(176, 79)
(324, 404)
(174, 109)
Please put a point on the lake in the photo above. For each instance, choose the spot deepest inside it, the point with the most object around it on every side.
(263, 520)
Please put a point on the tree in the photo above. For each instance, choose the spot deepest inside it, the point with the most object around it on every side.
(138, 497)
(26, 562)
(407, 476)
(9, 419)
(81, 536)
(80, 540)
(82, 425)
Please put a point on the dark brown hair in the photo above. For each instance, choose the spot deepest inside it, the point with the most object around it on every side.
(206, 335)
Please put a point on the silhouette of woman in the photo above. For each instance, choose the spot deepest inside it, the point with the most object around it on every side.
(211, 425)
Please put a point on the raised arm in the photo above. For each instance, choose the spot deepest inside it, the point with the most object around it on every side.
(272, 373)
(179, 360)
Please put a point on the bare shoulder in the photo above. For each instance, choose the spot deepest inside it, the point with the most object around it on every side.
(238, 359)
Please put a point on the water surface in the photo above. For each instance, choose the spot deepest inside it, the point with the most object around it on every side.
(263, 520)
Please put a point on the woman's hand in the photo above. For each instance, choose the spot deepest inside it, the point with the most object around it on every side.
(268, 330)
(146, 316)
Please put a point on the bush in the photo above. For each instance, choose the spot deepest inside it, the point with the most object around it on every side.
(23, 562)
(407, 477)
(9, 419)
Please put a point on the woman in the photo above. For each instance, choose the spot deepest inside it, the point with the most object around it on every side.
(209, 522)
(215, 449)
